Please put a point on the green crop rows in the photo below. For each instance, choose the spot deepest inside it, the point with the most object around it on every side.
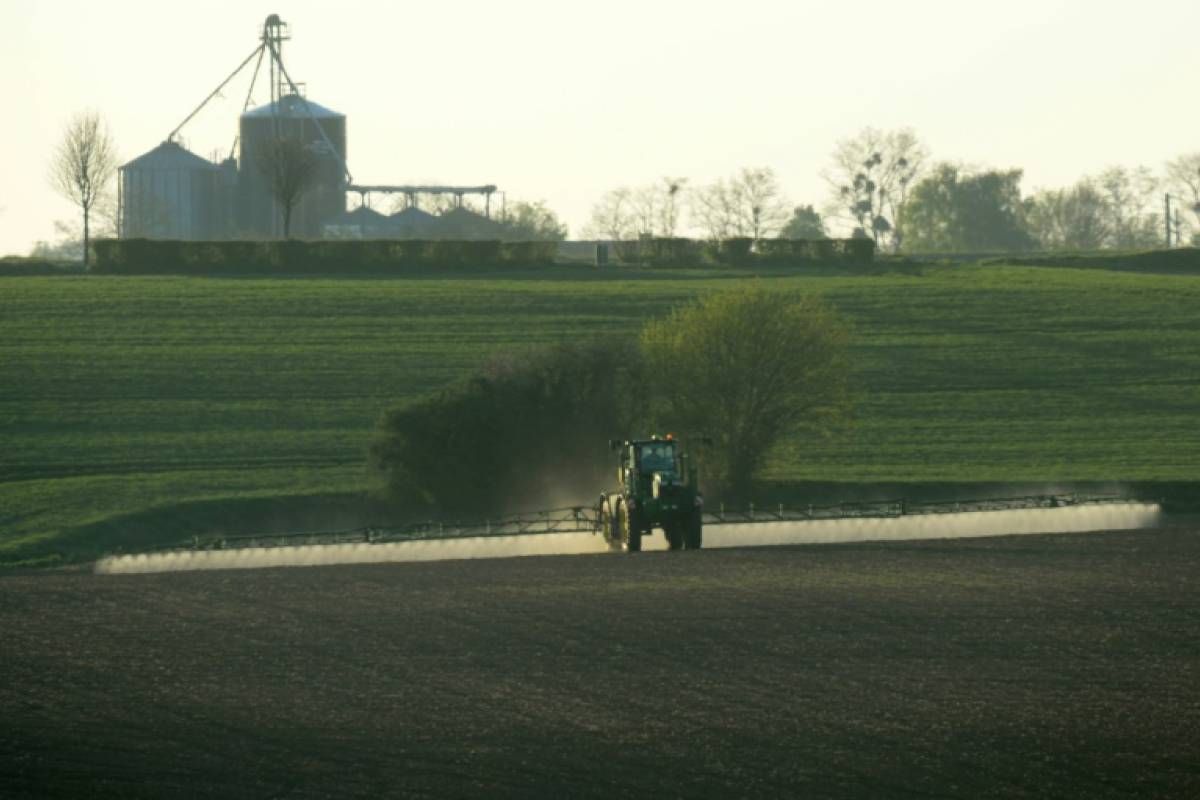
(119, 395)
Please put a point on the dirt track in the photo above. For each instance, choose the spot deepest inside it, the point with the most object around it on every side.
(1024, 666)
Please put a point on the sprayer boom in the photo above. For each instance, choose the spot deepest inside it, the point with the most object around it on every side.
(583, 519)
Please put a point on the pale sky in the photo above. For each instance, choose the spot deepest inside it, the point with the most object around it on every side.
(561, 101)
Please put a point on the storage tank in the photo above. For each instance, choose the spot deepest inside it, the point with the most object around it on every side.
(294, 117)
(170, 193)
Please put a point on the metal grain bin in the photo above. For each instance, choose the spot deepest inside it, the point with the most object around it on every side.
(170, 193)
(297, 118)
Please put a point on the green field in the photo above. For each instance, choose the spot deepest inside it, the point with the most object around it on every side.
(123, 395)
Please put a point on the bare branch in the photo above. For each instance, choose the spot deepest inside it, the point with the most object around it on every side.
(290, 169)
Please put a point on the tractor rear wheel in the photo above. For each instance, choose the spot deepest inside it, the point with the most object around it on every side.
(694, 532)
(674, 533)
(631, 532)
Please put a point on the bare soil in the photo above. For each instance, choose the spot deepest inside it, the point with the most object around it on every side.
(1035, 666)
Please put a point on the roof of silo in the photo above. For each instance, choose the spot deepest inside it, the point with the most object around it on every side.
(170, 155)
(360, 215)
(292, 106)
(411, 214)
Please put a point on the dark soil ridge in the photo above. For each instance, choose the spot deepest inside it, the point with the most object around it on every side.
(1032, 666)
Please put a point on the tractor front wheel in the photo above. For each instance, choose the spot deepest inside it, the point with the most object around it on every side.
(608, 525)
(631, 532)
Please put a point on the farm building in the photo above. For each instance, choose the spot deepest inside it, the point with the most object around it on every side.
(172, 193)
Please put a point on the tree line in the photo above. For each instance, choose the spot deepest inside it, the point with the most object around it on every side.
(883, 185)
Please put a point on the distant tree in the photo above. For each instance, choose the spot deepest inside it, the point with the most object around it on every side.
(870, 178)
(1132, 201)
(290, 168)
(68, 242)
(1069, 219)
(612, 217)
(714, 210)
(650, 210)
(954, 210)
(673, 191)
(1183, 181)
(83, 165)
(748, 204)
(645, 209)
(532, 222)
(746, 366)
(805, 224)
(760, 203)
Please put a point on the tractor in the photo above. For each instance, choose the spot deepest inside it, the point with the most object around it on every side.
(658, 489)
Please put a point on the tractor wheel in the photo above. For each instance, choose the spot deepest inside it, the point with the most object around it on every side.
(631, 534)
(694, 532)
(608, 526)
(674, 534)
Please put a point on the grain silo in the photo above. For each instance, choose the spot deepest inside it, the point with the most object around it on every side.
(171, 193)
(318, 128)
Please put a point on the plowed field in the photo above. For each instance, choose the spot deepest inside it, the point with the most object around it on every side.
(1012, 667)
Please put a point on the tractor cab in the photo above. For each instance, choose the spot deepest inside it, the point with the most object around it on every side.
(651, 468)
(656, 456)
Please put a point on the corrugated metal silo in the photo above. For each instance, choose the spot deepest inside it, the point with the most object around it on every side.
(296, 118)
(170, 193)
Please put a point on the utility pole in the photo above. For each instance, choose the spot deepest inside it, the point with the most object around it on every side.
(1167, 217)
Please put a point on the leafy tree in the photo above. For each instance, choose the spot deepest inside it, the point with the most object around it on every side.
(805, 224)
(749, 204)
(529, 429)
(290, 168)
(870, 178)
(532, 222)
(83, 165)
(954, 210)
(744, 367)
(1077, 218)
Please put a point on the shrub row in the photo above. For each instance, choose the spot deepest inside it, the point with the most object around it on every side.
(157, 256)
(745, 252)
(1181, 260)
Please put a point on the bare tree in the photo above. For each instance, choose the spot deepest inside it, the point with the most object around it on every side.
(645, 209)
(749, 204)
(870, 178)
(1131, 197)
(760, 205)
(1077, 218)
(612, 217)
(83, 165)
(673, 190)
(714, 208)
(1183, 179)
(650, 210)
(290, 169)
